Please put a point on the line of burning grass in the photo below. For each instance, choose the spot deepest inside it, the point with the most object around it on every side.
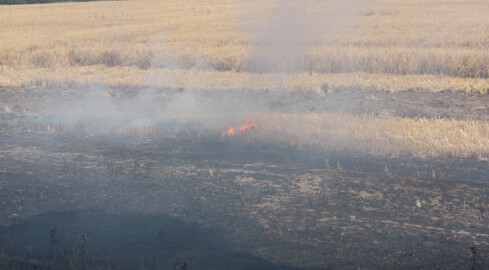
(425, 138)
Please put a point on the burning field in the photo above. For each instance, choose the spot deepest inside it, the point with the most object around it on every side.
(277, 191)
(244, 135)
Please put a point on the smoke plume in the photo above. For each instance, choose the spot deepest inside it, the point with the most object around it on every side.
(283, 29)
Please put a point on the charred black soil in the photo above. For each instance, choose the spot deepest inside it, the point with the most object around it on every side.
(235, 204)
(412, 104)
(118, 200)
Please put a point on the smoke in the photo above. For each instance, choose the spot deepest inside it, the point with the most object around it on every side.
(281, 32)
(283, 29)
(166, 108)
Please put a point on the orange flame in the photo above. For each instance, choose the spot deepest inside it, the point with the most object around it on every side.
(230, 132)
(247, 127)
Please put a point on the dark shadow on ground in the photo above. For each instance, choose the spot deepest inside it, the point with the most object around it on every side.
(129, 240)
(227, 204)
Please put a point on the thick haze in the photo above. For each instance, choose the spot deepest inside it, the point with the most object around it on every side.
(280, 32)
(282, 29)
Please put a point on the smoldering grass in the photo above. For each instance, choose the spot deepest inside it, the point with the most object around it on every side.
(390, 137)
(166, 130)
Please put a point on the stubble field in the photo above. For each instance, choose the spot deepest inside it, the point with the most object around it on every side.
(244, 134)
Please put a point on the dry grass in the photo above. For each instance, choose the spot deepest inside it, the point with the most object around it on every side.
(438, 138)
(215, 44)
(131, 77)
(82, 43)
(425, 138)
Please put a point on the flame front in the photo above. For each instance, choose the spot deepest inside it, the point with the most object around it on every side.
(230, 131)
(250, 125)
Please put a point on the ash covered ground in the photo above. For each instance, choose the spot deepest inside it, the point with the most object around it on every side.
(218, 202)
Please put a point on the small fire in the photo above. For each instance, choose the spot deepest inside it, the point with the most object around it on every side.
(250, 125)
(230, 132)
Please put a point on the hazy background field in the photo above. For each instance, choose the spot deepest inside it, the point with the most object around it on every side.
(385, 44)
(308, 46)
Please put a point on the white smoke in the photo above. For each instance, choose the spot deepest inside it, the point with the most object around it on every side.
(282, 29)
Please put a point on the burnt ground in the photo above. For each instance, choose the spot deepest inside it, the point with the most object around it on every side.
(413, 104)
(240, 204)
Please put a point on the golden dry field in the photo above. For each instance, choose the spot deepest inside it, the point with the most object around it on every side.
(229, 45)
(383, 45)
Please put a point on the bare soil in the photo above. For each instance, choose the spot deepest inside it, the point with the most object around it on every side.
(238, 204)
(413, 104)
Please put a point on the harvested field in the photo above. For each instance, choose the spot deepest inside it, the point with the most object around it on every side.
(134, 43)
(244, 135)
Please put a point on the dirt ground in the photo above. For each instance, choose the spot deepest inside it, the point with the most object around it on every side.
(413, 104)
(236, 204)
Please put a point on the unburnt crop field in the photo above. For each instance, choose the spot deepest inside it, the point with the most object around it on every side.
(244, 135)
